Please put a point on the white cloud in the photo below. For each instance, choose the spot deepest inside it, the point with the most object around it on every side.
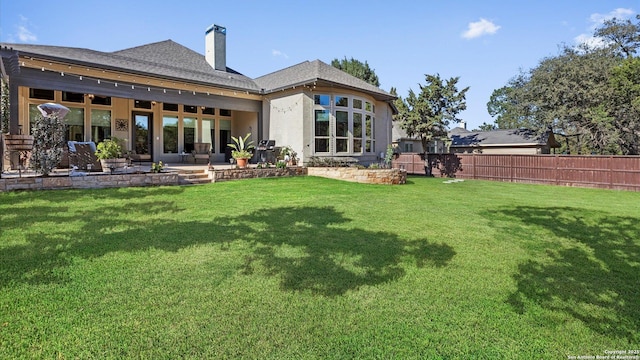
(25, 35)
(619, 13)
(596, 20)
(480, 28)
(22, 31)
(278, 53)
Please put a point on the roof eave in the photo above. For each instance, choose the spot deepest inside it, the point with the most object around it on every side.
(133, 72)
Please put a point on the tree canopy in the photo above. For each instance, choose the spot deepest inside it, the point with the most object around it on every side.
(358, 69)
(429, 113)
(584, 94)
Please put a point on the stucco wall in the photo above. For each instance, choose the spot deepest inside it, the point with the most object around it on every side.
(286, 124)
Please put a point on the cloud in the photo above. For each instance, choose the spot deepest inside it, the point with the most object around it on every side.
(480, 28)
(22, 32)
(619, 13)
(596, 20)
(25, 35)
(278, 53)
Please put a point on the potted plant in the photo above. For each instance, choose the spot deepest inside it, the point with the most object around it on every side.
(241, 150)
(109, 152)
(288, 155)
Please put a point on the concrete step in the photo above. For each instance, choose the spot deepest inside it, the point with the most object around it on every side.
(192, 177)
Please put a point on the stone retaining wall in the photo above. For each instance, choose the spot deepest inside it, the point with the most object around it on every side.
(367, 176)
(88, 182)
(252, 173)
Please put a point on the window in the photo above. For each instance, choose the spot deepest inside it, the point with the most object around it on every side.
(323, 100)
(72, 97)
(100, 125)
(170, 134)
(343, 125)
(209, 132)
(101, 100)
(342, 131)
(189, 134)
(169, 107)
(225, 135)
(408, 147)
(190, 109)
(42, 94)
(368, 128)
(75, 124)
(342, 101)
(209, 111)
(357, 132)
(322, 130)
(142, 104)
(225, 112)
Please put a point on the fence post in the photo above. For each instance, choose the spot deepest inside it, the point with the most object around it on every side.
(473, 161)
(510, 168)
(610, 172)
(555, 164)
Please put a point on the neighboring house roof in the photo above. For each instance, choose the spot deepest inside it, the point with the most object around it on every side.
(309, 72)
(511, 137)
(165, 59)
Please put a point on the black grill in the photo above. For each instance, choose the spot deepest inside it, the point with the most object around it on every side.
(266, 151)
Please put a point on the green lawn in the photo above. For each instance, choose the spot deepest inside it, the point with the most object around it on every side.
(315, 268)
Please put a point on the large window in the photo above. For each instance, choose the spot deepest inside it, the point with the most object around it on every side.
(170, 134)
(100, 125)
(369, 133)
(75, 124)
(225, 135)
(189, 134)
(209, 132)
(343, 125)
(322, 118)
(357, 132)
(342, 131)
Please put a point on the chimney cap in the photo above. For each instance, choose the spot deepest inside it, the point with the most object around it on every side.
(216, 28)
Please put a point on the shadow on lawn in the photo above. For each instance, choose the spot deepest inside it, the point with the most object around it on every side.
(304, 246)
(593, 278)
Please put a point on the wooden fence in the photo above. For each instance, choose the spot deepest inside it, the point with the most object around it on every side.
(609, 172)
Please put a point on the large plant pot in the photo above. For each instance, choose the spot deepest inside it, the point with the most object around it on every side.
(15, 142)
(242, 163)
(110, 165)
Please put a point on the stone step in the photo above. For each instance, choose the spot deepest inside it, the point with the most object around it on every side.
(192, 177)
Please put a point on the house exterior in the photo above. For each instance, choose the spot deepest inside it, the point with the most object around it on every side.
(163, 98)
(512, 141)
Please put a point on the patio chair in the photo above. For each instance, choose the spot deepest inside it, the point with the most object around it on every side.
(82, 155)
(201, 151)
(140, 158)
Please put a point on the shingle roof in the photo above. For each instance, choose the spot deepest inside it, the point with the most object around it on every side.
(166, 59)
(171, 60)
(522, 137)
(313, 71)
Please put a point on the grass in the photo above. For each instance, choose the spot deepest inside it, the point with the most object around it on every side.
(315, 268)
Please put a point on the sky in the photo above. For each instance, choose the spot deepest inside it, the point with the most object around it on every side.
(484, 43)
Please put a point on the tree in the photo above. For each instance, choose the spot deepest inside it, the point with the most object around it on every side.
(625, 104)
(429, 113)
(623, 36)
(585, 93)
(507, 105)
(487, 127)
(49, 137)
(358, 69)
(4, 107)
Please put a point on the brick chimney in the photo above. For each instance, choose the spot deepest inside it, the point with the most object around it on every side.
(216, 47)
